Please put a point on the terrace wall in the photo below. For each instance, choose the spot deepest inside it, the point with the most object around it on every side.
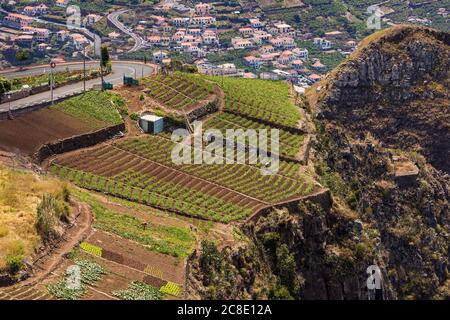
(209, 108)
(77, 142)
(269, 123)
(322, 198)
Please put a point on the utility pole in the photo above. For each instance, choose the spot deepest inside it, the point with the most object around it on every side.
(84, 68)
(9, 101)
(52, 66)
(101, 72)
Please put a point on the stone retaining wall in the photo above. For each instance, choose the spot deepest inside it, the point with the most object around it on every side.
(77, 142)
(322, 198)
(269, 123)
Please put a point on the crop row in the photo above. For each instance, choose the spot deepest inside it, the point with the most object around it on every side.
(289, 143)
(178, 91)
(244, 178)
(90, 273)
(148, 190)
(263, 99)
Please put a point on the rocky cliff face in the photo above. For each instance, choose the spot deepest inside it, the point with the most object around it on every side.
(382, 148)
(398, 88)
(384, 123)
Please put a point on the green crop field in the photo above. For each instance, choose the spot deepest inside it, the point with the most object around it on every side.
(174, 241)
(96, 108)
(261, 99)
(156, 192)
(59, 78)
(243, 178)
(289, 143)
(178, 91)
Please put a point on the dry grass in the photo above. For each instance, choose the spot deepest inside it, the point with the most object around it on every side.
(20, 192)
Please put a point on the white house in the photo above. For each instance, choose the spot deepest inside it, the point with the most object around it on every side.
(159, 56)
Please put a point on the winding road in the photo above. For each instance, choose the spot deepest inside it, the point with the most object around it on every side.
(114, 19)
(119, 69)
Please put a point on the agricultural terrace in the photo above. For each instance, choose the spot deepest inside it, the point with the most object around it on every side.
(142, 170)
(176, 241)
(178, 91)
(75, 116)
(261, 99)
(289, 143)
(99, 109)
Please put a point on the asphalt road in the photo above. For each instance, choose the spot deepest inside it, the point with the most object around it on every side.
(119, 69)
(114, 19)
(96, 40)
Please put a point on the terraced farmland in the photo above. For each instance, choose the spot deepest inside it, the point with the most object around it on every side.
(178, 91)
(290, 143)
(142, 170)
(128, 175)
(243, 178)
(260, 99)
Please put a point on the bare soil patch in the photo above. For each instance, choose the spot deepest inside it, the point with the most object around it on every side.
(25, 134)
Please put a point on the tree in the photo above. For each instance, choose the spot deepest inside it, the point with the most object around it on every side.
(286, 269)
(175, 65)
(105, 59)
(5, 85)
(22, 55)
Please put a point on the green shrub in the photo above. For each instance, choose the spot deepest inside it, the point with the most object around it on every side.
(3, 231)
(134, 116)
(15, 256)
(49, 212)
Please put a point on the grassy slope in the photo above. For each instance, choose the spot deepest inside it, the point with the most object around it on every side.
(20, 194)
(95, 108)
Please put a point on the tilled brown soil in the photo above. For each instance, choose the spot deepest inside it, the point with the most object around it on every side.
(25, 134)
(118, 160)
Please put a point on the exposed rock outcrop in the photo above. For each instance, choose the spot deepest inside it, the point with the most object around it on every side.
(397, 87)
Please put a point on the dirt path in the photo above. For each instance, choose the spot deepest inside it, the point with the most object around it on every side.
(80, 229)
(45, 264)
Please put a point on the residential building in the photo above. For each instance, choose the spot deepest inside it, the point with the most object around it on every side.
(91, 19)
(202, 21)
(62, 3)
(253, 61)
(246, 31)
(284, 29)
(324, 44)
(239, 43)
(38, 10)
(24, 40)
(159, 56)
(62, 35)
(202, 9)
(17, 21)
(301, 53)
(79, 41)
(180, 22)
(283, 42)
(256, 23)
(334, 35)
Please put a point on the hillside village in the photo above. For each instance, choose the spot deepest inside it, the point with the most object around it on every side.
(251, 46)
